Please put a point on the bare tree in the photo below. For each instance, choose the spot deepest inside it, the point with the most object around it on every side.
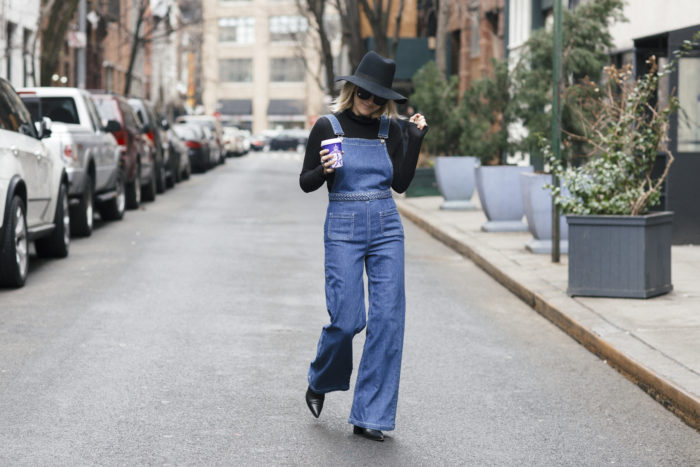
(137, 41)
(316, 9)
(352, 35)
(55, 17)
(378, 16)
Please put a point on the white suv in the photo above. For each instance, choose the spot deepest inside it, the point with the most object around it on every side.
(33, 191)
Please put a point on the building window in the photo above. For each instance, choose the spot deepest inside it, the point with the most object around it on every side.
(287, 28)
(689, 97)
(475, 34)
(113, 10)
(27, 57)
(286, 70)
(236, 70)
(237, 30)
(109, 78)
(10, 34)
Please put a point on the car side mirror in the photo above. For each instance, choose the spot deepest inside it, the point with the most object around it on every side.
(43, 128)
(164, 124)
(112, 126)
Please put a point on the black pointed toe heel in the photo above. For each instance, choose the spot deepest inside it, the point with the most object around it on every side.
(315, 402)
(374, 435)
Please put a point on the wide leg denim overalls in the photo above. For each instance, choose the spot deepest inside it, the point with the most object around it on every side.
(363, 230)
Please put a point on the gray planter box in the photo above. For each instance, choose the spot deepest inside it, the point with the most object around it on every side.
(537, 201)
(620, 256)
(501, 198)
(423, 184)
(456, 181)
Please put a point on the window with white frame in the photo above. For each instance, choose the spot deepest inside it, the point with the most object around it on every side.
(287, 28)
(475, 34)
(287, 70)
(236, 70)
(239, 30)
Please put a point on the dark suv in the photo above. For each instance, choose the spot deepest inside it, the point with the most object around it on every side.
(138, 151)
(153, 128)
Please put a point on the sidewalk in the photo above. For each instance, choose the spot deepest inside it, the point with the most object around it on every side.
(654, 342)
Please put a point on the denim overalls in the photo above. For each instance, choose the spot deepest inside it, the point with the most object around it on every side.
(363, 230)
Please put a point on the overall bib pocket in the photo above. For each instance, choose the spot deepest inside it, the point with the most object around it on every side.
(390, 222)
(341, 225)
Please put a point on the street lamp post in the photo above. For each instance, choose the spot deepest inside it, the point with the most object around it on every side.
(556, 122)
(82, 15)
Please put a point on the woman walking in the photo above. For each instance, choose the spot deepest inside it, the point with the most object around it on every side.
(363, 231)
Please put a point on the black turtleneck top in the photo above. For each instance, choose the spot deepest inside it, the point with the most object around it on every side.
(403, 159)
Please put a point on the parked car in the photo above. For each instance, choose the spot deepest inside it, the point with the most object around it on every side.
(289, 140)
(180, 153)
(197, 145)
(246, 140)
(213, 125)
(33, 190)
(137, 151)
(89, 151)
(156, 131)
(234, 142)
(259, 141)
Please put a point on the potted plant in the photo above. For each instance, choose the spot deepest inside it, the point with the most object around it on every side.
(617, 246)
(586, 38)
(437, 97)
(486, 112)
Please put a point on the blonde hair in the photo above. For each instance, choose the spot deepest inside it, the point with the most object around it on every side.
(346, 97)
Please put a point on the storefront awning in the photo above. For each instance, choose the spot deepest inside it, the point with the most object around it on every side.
(286, 107)
(235, 106)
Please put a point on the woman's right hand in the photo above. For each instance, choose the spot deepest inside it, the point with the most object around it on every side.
(327, 161)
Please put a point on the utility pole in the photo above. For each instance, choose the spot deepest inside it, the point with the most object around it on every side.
(556, 122)
(82, 16)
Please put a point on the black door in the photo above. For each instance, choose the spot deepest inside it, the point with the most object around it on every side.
(683, 187)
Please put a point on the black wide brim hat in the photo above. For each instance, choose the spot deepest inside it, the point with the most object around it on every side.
(375, 74)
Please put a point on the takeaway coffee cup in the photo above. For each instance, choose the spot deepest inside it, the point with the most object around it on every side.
(335, 148)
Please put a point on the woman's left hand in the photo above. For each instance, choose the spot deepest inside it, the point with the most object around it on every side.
(419, 120)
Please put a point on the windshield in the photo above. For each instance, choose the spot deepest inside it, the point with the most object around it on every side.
(107, 108)
(58, 109)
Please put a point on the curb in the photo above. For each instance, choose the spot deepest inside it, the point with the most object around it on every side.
(683, 404)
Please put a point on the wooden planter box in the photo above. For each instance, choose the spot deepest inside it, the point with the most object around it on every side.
(620, 256)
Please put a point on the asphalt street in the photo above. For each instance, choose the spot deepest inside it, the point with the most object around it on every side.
(182, 336)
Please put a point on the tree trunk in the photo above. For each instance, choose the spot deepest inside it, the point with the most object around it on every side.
(350, 21)
(397, 27)
(441, 37)
(135, 43)
(317, 10)
(53, 36)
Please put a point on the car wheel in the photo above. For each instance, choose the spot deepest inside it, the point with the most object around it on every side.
(14, 250)
(149, 190)
(113, 210)
(161, 178)
(172, 178)
(82, 215)
(177, 174)
(133, 190)
(57, 244)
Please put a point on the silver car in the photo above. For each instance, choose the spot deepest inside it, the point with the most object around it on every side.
(89, 151)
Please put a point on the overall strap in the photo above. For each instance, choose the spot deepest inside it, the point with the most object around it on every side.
(384, 127)
(337, 129)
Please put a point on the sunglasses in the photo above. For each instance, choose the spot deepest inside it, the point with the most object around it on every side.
(364, 95)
